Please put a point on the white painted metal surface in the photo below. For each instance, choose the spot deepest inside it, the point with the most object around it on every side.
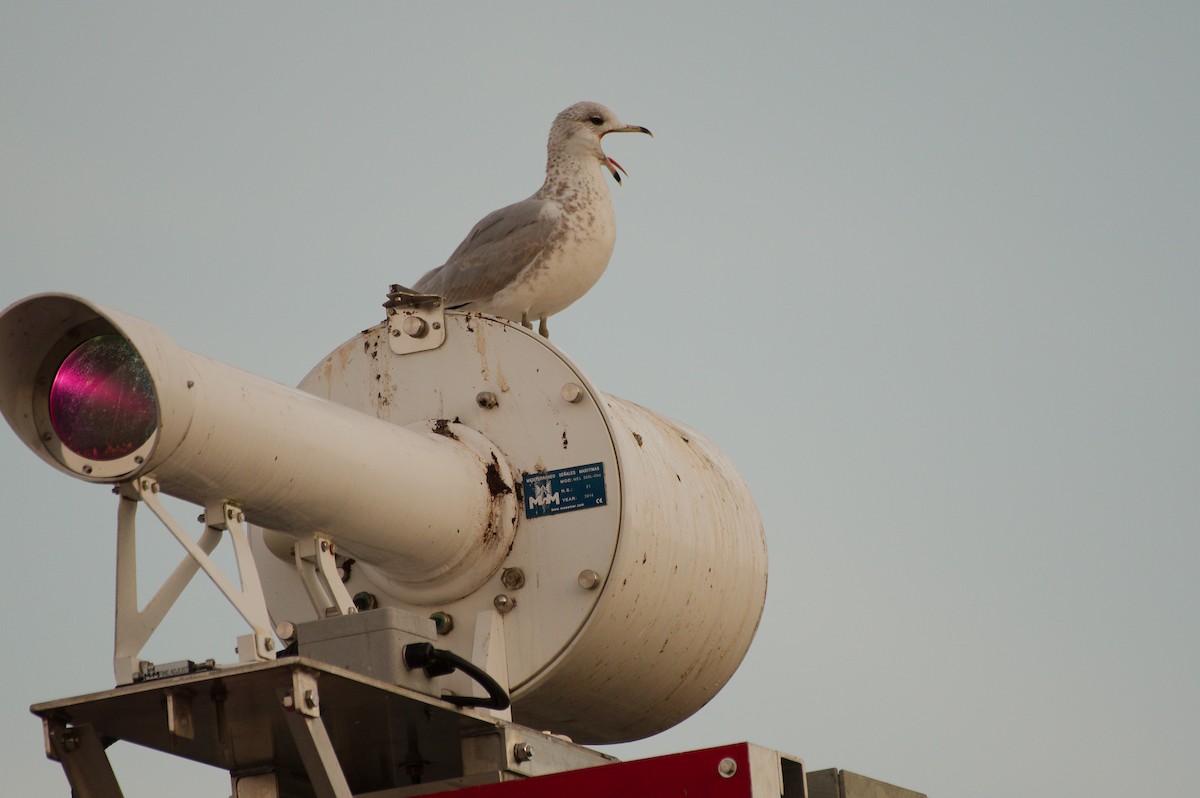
(606, 563)
(676, 549)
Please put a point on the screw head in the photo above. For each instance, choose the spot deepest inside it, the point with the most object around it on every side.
(504, 604)
(487, 400)
(443, 622)
(727, 767)
(589, 579)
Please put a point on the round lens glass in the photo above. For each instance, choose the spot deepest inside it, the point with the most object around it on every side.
(102, 401)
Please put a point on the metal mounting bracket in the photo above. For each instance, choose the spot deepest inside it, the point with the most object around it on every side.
(318, 572)
(416, 322)
(134, 626)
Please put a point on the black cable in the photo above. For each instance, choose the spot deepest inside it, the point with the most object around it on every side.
(439, 662)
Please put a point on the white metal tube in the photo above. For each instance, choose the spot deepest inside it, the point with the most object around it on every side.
(413, 503)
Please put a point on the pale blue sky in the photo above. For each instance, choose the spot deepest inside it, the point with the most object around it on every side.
(928, 273)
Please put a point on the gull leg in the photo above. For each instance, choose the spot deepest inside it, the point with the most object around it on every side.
(543, 330)
(525, 321)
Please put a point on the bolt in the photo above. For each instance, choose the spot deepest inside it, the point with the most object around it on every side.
(444, 622)
(437, 325)
(87, 469)
(487, 400)
(46, 436)
(589, 579)
(395, 333)
(324, 545)
(522, 752)
(572, 392)
(310, 701)
(154, 487)
(139, 459)
(727, 767)
(270, 644)
(200, 518)
(229, 513)
(504, 604)
(241, 517)
(286, 630)
(415, 326)
(289, 703)
(512, 578)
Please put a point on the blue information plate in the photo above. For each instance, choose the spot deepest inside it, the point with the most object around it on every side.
(575, 488)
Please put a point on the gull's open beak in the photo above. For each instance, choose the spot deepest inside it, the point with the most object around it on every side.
(612, 165)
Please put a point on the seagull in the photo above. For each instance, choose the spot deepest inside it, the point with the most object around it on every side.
(533, 258)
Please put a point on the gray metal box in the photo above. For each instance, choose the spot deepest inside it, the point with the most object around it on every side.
(370, 643)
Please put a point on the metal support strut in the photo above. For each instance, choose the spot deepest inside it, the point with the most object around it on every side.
(134, 627)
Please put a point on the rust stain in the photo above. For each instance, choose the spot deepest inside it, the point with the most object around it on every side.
(442, 427)
(496, 484)
(637, 438)
(564, 439)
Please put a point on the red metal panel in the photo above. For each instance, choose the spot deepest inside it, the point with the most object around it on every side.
(693, 774)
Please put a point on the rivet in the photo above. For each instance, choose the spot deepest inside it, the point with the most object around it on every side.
(572, 392)
(139, 459)
(87, 469)
(486, 400)
(727, 767)
(589, 579)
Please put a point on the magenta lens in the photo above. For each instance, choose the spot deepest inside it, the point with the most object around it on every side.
(102, 401)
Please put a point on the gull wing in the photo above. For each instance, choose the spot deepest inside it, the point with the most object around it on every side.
(495, 251)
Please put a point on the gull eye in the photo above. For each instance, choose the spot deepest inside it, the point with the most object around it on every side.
(596, 120)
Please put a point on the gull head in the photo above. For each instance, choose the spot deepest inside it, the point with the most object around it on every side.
(577, 131)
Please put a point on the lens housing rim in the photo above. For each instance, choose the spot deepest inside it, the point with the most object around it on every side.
(84, 467)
